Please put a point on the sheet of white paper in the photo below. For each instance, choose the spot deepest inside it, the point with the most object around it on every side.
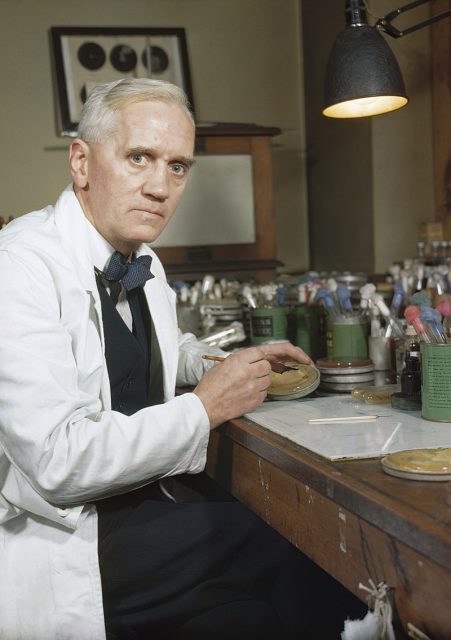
(393, 431)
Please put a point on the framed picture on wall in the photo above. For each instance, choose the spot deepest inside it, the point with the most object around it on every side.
(87, 56)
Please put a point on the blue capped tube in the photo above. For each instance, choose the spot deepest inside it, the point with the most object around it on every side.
(344, 298)
(323, 295)
(397, 300)
(432, 318)
(394, 326)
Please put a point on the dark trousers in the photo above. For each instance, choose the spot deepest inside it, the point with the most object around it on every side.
(207, 568)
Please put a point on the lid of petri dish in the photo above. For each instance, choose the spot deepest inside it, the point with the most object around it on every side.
(419, 464)
(342, 387)
(344, 365)
(349, 377)
(294, 384)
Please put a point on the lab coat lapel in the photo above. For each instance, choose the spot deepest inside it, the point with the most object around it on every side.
(71, 224)
(159, 297)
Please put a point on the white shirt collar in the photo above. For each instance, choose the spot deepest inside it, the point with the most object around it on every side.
(100, 249)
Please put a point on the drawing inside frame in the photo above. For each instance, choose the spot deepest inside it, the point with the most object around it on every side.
(87, 56)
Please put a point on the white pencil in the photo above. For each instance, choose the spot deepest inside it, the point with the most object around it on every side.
(344, 419)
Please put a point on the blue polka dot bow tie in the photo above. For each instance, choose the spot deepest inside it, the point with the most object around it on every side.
(130, 274)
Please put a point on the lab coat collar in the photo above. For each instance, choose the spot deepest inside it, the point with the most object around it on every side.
(72, 227)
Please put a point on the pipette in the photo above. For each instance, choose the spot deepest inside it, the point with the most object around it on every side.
(375, 323)
(194, 296)
(421, 299)
(247, 294)
(302, 293)
(393, 323)
(323, 295)
(436, 283)
(184, 293)
(332, 285)
(412, 315)
(444, 306)
(207, 286)
(344, 298)
(407, 281)
(419, 275)
(397, 300)
(312, 288)
(432, 318)
(395, 272)
(281, 295)
(365, 298)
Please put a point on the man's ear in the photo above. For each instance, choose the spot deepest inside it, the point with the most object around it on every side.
(78, 162)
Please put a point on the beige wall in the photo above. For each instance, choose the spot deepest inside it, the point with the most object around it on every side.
(402, 149)
(244, 58)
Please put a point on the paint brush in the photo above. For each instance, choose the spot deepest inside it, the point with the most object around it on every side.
(277, 367)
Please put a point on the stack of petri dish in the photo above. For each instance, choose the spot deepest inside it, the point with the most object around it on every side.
(342, 375)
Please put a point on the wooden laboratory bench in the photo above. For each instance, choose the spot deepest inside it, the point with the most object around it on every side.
(351, 518)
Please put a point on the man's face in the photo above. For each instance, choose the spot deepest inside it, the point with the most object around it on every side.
(133, 181)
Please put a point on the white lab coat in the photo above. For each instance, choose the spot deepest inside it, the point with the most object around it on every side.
(61, 446)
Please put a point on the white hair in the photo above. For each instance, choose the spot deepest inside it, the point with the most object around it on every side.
(99, 115)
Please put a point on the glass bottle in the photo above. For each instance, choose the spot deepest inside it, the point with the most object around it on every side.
(411, 377)
(407, 346)
(411, 343)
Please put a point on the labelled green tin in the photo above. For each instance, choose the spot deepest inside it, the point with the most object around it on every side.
(436, 382)
(347, 337)
(310, 330)
(268, 323)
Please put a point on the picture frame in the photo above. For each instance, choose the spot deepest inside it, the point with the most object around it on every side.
(86, 56)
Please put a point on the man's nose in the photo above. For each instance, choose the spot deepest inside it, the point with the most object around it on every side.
(156, 182)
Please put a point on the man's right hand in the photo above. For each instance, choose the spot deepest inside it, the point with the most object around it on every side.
(239, 384)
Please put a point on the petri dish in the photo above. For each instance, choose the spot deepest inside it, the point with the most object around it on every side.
(342, 387)
(375, 394)
(351, 377)
(344, 365)
(420, 464)
(294, 384)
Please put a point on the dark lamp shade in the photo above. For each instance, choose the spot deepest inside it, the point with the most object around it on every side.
(363, 77)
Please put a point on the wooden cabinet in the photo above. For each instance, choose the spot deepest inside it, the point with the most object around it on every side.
(251, 253)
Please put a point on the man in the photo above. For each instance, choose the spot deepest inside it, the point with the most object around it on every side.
(104, 523)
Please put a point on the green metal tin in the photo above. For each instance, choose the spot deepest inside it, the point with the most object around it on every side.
(436, 382)
(268, 323)
(347, 337)
(310, 330)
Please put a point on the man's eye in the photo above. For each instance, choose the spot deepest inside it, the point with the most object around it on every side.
(179, 169)
(137, 158)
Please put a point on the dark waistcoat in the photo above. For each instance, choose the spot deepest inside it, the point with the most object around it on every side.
(135, 385)
(133, 359)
